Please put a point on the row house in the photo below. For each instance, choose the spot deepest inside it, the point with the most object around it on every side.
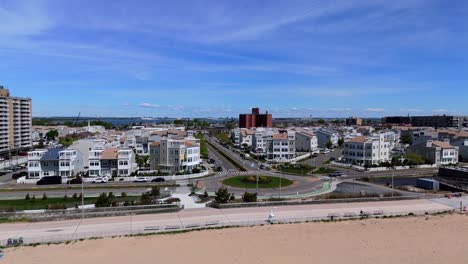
(54, 162)
(175, 155)
(435, 151)
(367, 150)
(110, 162)
(325, 135)
(306, 141)
(281, 147)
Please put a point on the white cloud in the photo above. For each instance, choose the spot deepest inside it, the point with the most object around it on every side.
(440, 110)
(374, 109)
(148, 105)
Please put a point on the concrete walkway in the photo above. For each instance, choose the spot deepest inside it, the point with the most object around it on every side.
(188, 201)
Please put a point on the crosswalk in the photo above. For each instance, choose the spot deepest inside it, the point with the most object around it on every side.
(233, 172)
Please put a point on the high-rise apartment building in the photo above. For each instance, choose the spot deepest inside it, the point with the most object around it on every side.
(15, 122)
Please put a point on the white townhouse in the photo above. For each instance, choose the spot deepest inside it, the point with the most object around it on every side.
(175, 155)
(306, 141)
(367, 150)
(437, 152)
(325, 135)
(54, 162)
(281, 147)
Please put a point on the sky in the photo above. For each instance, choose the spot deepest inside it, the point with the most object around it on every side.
(219, 58)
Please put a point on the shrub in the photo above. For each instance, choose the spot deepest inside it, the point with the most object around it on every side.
(75, 196)
(44, 196)
(249, 197)
(27, 197)
(103, 201)
(222, 195)
(123, 194)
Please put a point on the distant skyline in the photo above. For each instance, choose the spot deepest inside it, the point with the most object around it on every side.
(219, 58)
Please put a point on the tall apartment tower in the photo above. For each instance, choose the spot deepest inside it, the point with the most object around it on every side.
(15, 122)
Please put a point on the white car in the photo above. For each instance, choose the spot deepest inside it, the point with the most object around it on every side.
(100, 180)
(326, 151)
(141, 179)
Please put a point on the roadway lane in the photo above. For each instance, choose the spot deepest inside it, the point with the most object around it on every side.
(206, 217)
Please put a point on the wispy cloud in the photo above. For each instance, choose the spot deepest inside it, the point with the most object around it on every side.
(148, 105)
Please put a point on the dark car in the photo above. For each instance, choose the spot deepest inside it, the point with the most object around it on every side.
(19, 175)
(219, 169)
(76, 180)
(158, 180)
(50, 180)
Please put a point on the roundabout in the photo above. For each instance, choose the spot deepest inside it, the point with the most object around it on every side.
(250, 182)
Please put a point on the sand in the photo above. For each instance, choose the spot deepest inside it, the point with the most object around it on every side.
(433, 239)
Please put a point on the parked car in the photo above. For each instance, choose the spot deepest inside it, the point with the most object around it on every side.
(158, 180)
(50, 180)
(326, 151)
(141, 179)
(76, 180)
(219, 169)
(19, 175)
(100, 180)
(332, 158)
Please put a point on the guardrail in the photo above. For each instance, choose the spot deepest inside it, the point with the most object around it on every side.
(158, 229)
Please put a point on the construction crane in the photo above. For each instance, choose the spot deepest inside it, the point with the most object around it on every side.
(77, 119)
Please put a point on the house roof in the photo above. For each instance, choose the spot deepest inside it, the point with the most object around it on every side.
(442, 144)
(110, 153)
(280, 136)
(155, 144)
(51, 154)
(360, 139)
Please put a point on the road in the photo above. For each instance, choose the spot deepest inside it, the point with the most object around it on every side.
(42, 232)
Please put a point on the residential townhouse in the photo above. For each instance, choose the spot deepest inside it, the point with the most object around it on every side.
(367, 150)
(325, 135)
(306, 141)
(437, 152)
(281, 147)
(175, 155)
(110, 162)
(54, 162)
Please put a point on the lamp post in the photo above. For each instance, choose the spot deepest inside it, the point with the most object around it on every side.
(82, 197)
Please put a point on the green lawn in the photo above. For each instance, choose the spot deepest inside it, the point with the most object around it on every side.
(203, 146)
(324, 170)
(274, 182)
(300, 169)
(38, 203)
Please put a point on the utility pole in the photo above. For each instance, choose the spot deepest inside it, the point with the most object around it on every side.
(82, 198)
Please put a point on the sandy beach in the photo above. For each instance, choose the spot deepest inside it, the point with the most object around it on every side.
(433, 239)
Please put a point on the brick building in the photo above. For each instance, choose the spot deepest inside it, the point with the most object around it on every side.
(255, 119)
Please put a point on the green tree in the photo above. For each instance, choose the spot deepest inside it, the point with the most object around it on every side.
(321, 121)
(52, 135)
(329, 144)
(44, 196)
(340, 142)
(27, 197)
(222, 195)
(146, 198)
(155, 191)
(406, 140)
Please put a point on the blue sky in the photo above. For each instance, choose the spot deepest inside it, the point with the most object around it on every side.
(217, 58)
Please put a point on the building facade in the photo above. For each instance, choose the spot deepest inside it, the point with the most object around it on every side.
(281, 147)
(306, 141)
(175, 156)
(15, 122)
(326, 135)
(255, 119)
(436, 152)
(367, 150)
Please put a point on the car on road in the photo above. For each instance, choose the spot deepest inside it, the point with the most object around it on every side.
(76, 180)
(49, 180)
(100, 180)
(219, 169)
(335, 174)
(141, 179)
(326, 151)
(160, 179)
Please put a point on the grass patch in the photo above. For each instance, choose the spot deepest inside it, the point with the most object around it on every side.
(38, 203)
(324, 170)
(267, 183)
(203, 146)
(300, 169)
